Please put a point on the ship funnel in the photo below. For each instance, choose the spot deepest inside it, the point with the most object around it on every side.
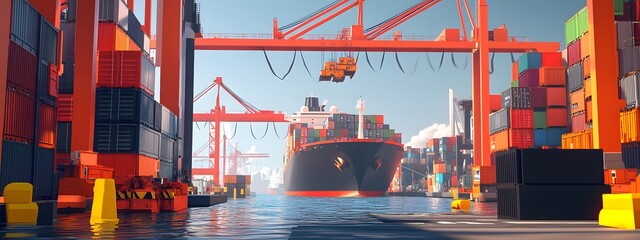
(312, 103)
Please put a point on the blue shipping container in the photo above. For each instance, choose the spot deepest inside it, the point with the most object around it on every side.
(540, 137)
(25, 25)
(17, 160)
(554, 136)
(529, 60)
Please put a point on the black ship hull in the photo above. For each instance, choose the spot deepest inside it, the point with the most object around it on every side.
(341, 169)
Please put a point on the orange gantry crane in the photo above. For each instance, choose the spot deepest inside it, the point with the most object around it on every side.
(219, 114)
(292, 37)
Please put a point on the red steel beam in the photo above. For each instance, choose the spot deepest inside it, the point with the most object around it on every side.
(203, 171)
(85, 76)
(50, 10)
(171, 54)
(147, 18)
(482, 146)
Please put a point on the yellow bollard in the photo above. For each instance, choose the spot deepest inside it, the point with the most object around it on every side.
(241, 191)
(234, 193)
(104, 202)
(461, 205)
(620, 211)
(20, 210)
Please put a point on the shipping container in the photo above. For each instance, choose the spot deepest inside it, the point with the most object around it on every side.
(126, 138)
(17, 162)
(22, 68)
(624, 30)
(47, 126)
(573, 52)
(584, 46)
(556, 97)
(166, 149)
(630, 125)
(19, 116)
(114, 11)
(515, 83)
(578, 140)
(586, 68)
(63, 137)
(583, 21)
(629, 61)
(557, 117)
(552, 60)
(538, 97)
(112, 38)
(589, 110)
(629, 89)
(166, 170)
(554, 135)
(529, 78)
(169, 124)
(577, 102)
(65, 107)
(126, 105)
(68, 38)
(540, 119)
(495, 102)
(499, 141)
(65, 81)
(578, 122)
(135, 30)
(618, 7)
(43, 180)
(515, 71)
(520, 138)
(25, 25)
(47, 83)
(617, 176)
(516, 98)
(129, 164)
(552, 76)
(540, 137)
(630, 154)
(125, 69)
(48, 42)
(484, 175)
(499, 120)
(530, 60)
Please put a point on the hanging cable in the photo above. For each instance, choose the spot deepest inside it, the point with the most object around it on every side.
(415, 66)
(369, 62)
(431, 65)
(492, 69)
(399, 65)
(254, 136)
(305, 67)
(271, 67)
(235, 129)
(198, 126)
(466, 61)
(276, 131)
(513, 60)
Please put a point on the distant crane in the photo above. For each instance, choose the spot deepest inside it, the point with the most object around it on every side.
(237, 161)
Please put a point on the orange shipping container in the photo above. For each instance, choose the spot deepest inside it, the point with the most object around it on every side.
(496, 102)
(587, 88)
(578, 140)
(584, 45)
(557, 117)
(484, 175)
(630, 125)
(112, 38)
(621, 188)
(47, 126)
(556, 97)
(586, 68)
(499, 141)
(552, 76)
(514, 71)
(577, 101)
(230, 179)
(589, 110)
(129, 164)
(439, 168)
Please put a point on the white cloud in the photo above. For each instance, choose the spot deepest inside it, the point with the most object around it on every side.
(434, 131)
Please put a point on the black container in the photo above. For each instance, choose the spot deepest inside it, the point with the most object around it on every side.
(499, 120)
(125, 105)
(48, 42)
(516, 97)
(126, 138)
(169, 123)
(25, 25)
(631, 154)
(43, 184)
(166, 170)
(63, 138)
(575, 77)
(167, 148)
(158, 117)
(65, 82)
(550, 202)
(135, 30)
(68, 39)
(17, 162)
(115, 11)
(70, 15)
(550, 166)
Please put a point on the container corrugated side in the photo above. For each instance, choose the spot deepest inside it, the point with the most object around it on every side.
(126, 105)
(19, 116)
(135, 30)
(499, 120)
(47, 126)
(578, 140)
(166, 170)
(169, 123)
(65, 82)
(578, 122)
(126, 138)
(129, 164)
(630, 125)
(47, 83)
(114, 11)
(43, 180)
(557, 117)
(551, 60)
(552, 76)
(519, 97)
(529, 78)
(530, 60)
(584, 46)
(22, 67)
(625, 34)
(48, 42)
(540, 119)
(68, 39)
(629, 60)
(520, 138)
(575, 79)
(25, 25)
(577, 102)
(540, 137)
(63, 137)
(538, 97)
(573, 52)
(166, 149)
(112, 38)
(629, 89)
(17, 162)
(556, 97)
(65, 107)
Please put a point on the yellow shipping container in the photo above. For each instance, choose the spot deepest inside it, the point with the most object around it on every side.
(578, 140)
(629, 125)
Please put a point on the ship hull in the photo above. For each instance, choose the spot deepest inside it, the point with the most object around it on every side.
(342, 169)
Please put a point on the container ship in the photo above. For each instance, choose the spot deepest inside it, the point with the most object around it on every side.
(333, 154)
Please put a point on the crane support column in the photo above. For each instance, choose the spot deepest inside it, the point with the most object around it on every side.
(606, 105)
(481, 144)
(170, 53)
(5, 31)
(84, 85)
(188, 110)
(147, 17)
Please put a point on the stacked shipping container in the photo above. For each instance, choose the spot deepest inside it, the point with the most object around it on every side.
(29, 136)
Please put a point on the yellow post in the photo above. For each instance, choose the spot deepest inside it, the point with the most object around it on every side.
(19, 208)
(234, 193)
(104, 202)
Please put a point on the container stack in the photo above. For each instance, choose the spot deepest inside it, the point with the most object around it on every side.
(29, 136)
(237, 185)
(411, 181)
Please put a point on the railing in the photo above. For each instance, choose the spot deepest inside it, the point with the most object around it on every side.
(334, 37)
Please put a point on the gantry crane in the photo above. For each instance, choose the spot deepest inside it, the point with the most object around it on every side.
(237, 159)
(219, 114)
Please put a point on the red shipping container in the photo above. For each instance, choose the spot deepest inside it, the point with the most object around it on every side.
(521, 118)
(495, 102)
(19, 116)
(556, 97)
(514, 71)
(53, 80)
(379, 119)
(47, 126)
(552, 59)
(578, 122)
(521, 138)
(454, 181)
(65, 107)
(573, 52)
(557, 117)
(586, 67)
(584, 46)
(129, 164)
(323, 132)
(538, 97)
(553, 76)
(112, 38)
(589, 110)
(22, 68)
(62, 159)
(622, 176)
(121, 69)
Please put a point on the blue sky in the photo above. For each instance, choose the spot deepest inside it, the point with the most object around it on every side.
(410, 103)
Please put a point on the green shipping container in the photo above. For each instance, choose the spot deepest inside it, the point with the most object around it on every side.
(570, 29)
(583, 22)
(316, 133)
(540, 119)
(618, 7)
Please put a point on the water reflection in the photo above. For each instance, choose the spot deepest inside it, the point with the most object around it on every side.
(104, 229)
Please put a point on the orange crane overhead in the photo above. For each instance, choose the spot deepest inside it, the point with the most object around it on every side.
(219, 114)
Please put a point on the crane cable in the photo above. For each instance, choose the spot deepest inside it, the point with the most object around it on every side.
(399, 65)
(466, 62)
(235, 129)
(293, 61)
(369, 62)
(254, 136)
(305, 18)
(491, 69)
(307, 68)
(415, 65)
(431, 65)
(513, 60)
(276, 131)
